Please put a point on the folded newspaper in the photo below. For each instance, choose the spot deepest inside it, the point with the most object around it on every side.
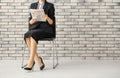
(37, 14)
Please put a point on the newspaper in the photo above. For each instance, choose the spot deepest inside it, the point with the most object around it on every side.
(37, 14)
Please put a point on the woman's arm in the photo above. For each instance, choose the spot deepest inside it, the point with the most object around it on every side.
(50, 17)
(32, 21)
(50, 21)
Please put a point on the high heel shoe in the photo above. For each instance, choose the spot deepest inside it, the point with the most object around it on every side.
(24, 66)
(43, 66)
(27, 68)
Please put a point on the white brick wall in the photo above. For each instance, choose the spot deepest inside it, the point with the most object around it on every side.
(86, 29)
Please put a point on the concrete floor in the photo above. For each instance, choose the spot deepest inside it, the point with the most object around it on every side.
(66, 69)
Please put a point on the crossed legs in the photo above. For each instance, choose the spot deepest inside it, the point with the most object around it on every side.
(32, 45)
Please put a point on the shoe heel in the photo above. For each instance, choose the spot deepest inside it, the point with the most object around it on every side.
(24, 66)
(43, 66)
(29, 71)
(32, 69)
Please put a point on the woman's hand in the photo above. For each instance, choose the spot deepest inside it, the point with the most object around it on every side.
(32, 21)
(45, 16)
(50, 21)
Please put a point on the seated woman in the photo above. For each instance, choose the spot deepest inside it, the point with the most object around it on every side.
(39, 30)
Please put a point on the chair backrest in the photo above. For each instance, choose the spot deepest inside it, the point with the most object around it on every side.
(54, 28)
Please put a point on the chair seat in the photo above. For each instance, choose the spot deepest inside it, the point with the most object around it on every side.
(47, 39)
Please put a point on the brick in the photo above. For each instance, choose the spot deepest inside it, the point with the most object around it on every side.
(109, 3)
(84, 10)
(91, 0)
(63, 1)
(7, 0)
(100, 55)
(20, 0)
(78, 58)
(7, 7)
(64, 7)
(22, 7)
(71, 4)
(3, 10)
(3, 55)
(73, 55)
(86, 55)
(3, 3)
(13, 4)
(8, 58)
(116, 1)
(106, 58)
(77, 0)
(92, 58)
(108, 0)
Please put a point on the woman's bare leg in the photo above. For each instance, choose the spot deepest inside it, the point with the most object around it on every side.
(28, 41)
(33, 48)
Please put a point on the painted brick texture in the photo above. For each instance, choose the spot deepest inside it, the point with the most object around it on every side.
(86, 29)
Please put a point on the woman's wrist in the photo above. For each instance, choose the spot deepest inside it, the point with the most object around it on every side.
(32, 21)
(46, 17)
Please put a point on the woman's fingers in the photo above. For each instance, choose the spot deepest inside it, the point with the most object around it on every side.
(44, 16)
(32, 21)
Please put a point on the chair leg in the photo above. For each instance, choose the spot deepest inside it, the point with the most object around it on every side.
(23, 57)
(56, 53)
(53, 52)
(54, 47)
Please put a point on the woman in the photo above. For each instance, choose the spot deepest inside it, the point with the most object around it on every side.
(39, 30)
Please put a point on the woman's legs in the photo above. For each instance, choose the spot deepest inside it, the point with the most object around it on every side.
(33, 52)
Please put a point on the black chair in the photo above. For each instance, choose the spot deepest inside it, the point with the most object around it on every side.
(52, 39)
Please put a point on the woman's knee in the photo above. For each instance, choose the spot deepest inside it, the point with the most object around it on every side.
(32, 39)
(27, 39)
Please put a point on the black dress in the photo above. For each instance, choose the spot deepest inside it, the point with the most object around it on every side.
(41, 30)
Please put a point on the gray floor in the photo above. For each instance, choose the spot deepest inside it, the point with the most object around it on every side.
(66, 69)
